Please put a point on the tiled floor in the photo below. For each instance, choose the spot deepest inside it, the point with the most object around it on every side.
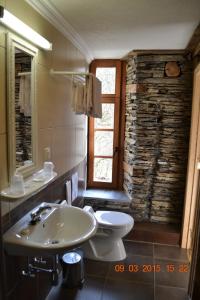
(150, 272)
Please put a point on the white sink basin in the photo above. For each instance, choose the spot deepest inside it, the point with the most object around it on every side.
(60, 228)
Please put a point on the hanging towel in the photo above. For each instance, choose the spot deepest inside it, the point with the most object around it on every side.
(78, 105)
(25, 95)
(88, 94)
(93, 97)
(68, 192)
(74, 186)
(86, 99)
(96, 97)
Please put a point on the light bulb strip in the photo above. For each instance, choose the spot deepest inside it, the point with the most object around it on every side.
(24, 30)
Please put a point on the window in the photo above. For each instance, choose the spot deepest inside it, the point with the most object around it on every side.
(104, 132)
(108, 79)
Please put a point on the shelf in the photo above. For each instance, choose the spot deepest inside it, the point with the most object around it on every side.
(32, 185)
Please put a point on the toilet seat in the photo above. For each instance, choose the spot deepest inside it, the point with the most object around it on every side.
(113, 219)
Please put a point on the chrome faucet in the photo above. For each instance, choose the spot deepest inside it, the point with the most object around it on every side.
(36, 215)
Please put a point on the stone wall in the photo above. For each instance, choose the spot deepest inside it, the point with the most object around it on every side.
(158, 110)
(22, 122)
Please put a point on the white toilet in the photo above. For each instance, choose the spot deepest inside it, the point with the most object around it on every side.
(107, 244)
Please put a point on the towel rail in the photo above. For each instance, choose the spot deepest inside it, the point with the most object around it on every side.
(69, 73)
(23, 73)
(89, 101)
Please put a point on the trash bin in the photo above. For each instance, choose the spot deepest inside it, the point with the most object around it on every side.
(73, 269)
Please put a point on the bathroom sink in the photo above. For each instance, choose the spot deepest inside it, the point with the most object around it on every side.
(60, 228)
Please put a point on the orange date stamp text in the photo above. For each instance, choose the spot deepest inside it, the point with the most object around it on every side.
(148, 268)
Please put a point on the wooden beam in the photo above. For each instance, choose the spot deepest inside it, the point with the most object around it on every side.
(193, 172)
(122, 125)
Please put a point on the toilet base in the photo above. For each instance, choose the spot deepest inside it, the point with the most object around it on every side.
(104, 249)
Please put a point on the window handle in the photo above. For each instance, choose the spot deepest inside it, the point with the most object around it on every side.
(116, 149)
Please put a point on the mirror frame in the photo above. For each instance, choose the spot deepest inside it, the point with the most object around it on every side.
(13, 42)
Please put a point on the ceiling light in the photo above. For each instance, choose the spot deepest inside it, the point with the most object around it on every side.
(24, 30)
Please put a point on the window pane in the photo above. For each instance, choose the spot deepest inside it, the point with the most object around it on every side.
(107, 120)
(103, 143)
(108, 78)
(103, 169)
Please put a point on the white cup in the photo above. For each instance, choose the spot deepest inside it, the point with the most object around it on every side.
(48, 168)
(17, 184)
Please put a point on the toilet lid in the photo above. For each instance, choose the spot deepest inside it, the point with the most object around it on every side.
(113, 218)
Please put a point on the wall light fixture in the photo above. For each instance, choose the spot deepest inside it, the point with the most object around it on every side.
(24, 30)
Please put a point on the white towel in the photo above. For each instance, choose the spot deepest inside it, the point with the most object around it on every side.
(96, 96)
(86, 99)
(93, 96)
(74, 186)
(25, 95)
(88, 94)
(69, 192)
(78, 98)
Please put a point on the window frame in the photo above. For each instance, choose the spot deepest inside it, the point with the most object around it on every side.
(106, 98)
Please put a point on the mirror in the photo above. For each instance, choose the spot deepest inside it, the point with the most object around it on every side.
(23, 62)
(21, 67)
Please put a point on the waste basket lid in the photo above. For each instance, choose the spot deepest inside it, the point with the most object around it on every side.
(71, 258)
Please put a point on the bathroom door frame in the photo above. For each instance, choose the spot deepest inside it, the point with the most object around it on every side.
(194, 284)
(192, 185)
(119, 123)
